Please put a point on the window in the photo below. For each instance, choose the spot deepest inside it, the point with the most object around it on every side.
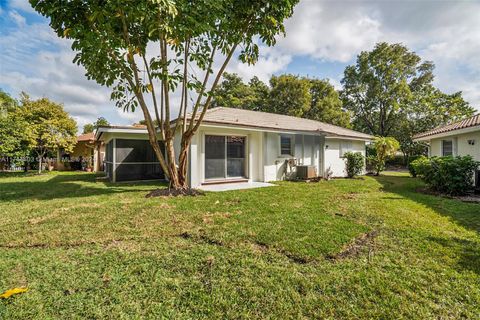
(345, 146)
(447, 148)
(285, 145)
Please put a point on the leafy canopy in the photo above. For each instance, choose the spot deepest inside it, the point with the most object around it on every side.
(91, 127)
(390, 92)
(146, 49)
(288, 94)
(51, 127)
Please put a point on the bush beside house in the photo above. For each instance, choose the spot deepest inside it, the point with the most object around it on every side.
(354, 164)
(449, 175)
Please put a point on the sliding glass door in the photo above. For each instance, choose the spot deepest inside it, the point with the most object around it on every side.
(224, 157)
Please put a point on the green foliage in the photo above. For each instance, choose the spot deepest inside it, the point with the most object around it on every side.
(450, 175)
(7, 103)
(291, 95)
(354, 164)
(390, 92)
(50, 126)
(385, 148)
(147, 49)
(326, 105)
(91, 127)
(234, 93)
(410, 165)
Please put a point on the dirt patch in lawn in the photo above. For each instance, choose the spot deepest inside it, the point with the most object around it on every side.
(174, 193)
(471, 198)
(354, 249)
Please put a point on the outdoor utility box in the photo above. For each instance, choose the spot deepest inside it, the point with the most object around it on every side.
(306, 172)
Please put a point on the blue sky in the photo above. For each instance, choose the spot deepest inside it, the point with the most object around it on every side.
(323, 37)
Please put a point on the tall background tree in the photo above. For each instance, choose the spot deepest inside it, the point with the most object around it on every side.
(91, 127)
(111, 38)
(287, 94)
(51, 128)
(390, 92)
(16, 136)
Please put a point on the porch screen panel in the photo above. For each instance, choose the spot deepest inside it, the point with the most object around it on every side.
(109, 159)
(136, 160)
(235, 156)
(214, 157)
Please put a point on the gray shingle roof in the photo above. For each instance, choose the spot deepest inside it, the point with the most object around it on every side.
(264, 120)
(466, 123)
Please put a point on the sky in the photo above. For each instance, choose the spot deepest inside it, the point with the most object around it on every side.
(323, 37)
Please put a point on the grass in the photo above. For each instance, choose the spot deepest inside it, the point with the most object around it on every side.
(88, 249)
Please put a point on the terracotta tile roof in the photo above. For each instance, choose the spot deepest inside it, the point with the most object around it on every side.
(466, 123)
(264, 120)
(86, 137)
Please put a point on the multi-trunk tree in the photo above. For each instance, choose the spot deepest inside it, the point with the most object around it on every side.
(146, 50)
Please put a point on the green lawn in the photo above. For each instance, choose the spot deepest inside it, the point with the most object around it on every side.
(88, 249)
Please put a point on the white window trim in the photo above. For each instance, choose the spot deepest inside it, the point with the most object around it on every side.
(442, 150)
(292, 145)
(343, 150)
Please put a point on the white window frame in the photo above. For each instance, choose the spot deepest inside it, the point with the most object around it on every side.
(443, 150)
(345, 146)
(291, 145)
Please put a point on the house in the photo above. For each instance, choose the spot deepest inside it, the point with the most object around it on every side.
(87, 154)
(237, 145)
(457, 139)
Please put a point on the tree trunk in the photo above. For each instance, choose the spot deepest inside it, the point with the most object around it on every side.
(40, 164)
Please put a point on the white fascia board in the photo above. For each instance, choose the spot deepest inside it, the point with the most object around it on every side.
(348, 138)
(226, 126)
(118, 130)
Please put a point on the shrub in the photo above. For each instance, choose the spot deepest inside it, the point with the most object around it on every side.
(410, 167)
(450, 175)
(385, 148)
(354, 164)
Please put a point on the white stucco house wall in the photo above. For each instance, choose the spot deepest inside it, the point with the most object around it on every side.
(239, 145)
(457, 139)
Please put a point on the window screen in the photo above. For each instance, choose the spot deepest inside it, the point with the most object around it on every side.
(139, 171)
(214, 157)
(285, 145)
(345, 146)
(134, 151)
(447, 148)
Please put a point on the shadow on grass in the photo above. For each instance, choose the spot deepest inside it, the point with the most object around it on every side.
(469, 252)
(463, 213)
(64, 185)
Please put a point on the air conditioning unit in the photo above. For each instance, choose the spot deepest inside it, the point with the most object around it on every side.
(306, 172)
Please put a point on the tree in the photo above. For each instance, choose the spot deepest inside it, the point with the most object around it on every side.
(186, 38)
(378, 88)
(50, 126)
(326, 105)
(90, 127)
(289, 95)
(429, 108)
(385, 148)
(7, 103)
(233, 93)
(390, 92)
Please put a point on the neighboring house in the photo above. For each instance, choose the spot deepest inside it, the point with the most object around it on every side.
(237, 145)
(87, 153)
(457, 139)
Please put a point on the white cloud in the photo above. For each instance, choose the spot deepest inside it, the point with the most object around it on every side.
(269, 62)
(19, 20)
(22, 5)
